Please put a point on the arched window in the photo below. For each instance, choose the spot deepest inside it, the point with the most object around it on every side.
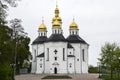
(70, 65)
(34, 55)
(55, 58)
(73, 32)
(76, 32)
(44, 33)
(58, 31)
(55, 31)
(83, 54)
(41, 34)
(63, 54)
(47, 54)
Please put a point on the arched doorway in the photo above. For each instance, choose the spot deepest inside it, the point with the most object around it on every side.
(55, 70)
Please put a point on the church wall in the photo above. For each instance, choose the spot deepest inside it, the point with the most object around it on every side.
(40, 65)
(62, 65)
(70, 51)
(40, 49)
(71, 61)
(34, 64)
(77, 57)
(85, 62)
(33, 70)
(36, 50)
(71, 65)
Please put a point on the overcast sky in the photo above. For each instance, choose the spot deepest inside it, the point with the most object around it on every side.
(98, 20)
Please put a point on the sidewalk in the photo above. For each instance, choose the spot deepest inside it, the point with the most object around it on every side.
(74, 77)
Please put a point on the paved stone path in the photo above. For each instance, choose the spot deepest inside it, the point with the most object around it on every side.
(74, 77)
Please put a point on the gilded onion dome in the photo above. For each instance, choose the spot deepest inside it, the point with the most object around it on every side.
(73, 25)
(42, 27)
(56, 21)
(57, 18)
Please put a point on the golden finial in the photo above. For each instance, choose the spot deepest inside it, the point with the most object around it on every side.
(42, 19)
(56, 3)
(73, 19)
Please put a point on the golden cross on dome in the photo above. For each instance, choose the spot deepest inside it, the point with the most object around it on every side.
(73, 18)
(42, 19)
(56, 3)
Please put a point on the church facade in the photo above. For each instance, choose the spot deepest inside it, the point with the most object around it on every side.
(57, 54)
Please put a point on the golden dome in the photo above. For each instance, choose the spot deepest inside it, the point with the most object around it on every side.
(56, 23)
(73, 25)
(57, 18)
(42, 27)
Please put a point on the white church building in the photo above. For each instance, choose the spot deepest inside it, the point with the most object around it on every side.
(57, 54)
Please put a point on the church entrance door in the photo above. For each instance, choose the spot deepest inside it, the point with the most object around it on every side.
(55, 70)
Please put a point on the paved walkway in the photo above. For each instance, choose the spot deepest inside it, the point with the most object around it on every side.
(74, 77)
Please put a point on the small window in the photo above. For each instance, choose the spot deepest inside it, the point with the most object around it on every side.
(70, 52)
(40, 65)
(55, 58)
(40, 59)
(44, 34)
(77, 59)
(41, 34)
(70, 65)
(72, 32)
(76, 32)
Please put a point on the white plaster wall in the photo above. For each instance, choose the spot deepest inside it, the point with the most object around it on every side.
(33, 70)
(85, 63)
(70, 50)
(41, 48)
(35, 63)
(40, 61)
(62, 67)
(77, 56)
(72, 68)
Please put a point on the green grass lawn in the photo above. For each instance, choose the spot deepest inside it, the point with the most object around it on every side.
(57, 77)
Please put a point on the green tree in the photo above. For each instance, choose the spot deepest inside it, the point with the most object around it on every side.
(110, 54)
(21, 42)
(8, 40)
(4, 5)
(6, 53)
